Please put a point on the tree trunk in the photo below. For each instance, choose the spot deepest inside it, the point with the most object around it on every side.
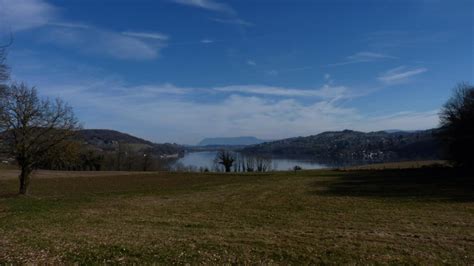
(227, 168)
(24, 180)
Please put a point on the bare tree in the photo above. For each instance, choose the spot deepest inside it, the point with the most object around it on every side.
(264, 164)
(4, 69)
(146, 162)
(33, 127)
(129, 158)
(457, 125)
(249, 164)
(226, 159)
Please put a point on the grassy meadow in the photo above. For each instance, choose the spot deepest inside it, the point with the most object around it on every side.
(324, 216)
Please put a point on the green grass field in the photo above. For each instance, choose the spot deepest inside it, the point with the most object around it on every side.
(393, 216)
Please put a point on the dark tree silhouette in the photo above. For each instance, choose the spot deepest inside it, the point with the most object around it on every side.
(457, 126)
(4, 69)
(226, 159)
(146, 162)
(4, 73)
(33, 127)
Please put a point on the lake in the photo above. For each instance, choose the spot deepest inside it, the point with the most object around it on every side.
(205, 159)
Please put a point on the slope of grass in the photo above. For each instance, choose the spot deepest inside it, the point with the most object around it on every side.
(400, 165)
(392, 216)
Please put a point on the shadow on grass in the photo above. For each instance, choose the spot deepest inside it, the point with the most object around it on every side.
(446, 184)
(8, 195)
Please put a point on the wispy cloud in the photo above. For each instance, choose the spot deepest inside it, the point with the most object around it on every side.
(235, 21)
(186, 120)
(405, 39)
(368, 56)
(213, 5)
(142, 92)
(251, 63)
(276, 72)
(169, 112)
(272, 72)
(104, 43)
(21, 15)
(328, 79)
(206, 41)
(400, 74)
(405, 120)
(207, 4)
(362, 57)
(147, 35)
(69, 25)
(324, 92)
(145, 109)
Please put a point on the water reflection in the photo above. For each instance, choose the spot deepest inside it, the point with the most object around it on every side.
(205, 159)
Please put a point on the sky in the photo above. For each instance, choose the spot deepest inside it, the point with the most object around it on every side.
(182, 70)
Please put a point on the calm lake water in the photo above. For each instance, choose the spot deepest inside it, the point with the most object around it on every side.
(206, 159)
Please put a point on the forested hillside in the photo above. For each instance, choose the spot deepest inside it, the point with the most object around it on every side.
(105, 139)
(355, 147)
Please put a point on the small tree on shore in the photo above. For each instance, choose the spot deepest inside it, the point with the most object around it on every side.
(226, 159)
(33, 127)
(457, 126)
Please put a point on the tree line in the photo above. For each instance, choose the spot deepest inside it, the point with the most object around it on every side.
(123, 157)
(227, 161)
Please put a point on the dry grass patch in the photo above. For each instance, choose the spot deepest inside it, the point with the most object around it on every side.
(298, 218)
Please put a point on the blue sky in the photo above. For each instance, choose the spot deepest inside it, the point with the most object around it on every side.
(182, 70)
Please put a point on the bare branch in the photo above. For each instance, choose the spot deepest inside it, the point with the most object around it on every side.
(4, 69)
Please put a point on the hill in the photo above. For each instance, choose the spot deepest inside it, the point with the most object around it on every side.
(354, 147)
(100, 137)
(105, 139)
(232, 141)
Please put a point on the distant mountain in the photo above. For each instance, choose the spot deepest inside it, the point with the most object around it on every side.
(105, 139)
(354, 147)
(233, 141)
